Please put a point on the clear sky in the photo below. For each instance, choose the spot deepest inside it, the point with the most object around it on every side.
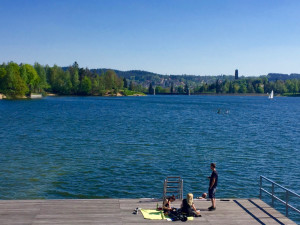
(201, 37)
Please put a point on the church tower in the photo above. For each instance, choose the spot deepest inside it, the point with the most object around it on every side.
(236, 74)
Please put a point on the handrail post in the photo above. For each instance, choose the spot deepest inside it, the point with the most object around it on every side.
(165, 189)
(260, 187)
(182, 189)
(282, 199)
(272, 194)
(287, 203)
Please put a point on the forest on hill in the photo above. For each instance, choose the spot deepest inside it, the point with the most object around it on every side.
(219, 84)
(17, 80)
(24, 79)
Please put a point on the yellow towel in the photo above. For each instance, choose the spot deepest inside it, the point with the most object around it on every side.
(152, 214)
(190, 218)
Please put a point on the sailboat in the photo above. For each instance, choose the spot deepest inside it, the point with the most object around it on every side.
(271, 96)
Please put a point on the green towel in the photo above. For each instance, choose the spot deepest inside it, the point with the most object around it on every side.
(152, 214)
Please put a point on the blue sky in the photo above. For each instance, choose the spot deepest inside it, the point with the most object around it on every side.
(200, 37)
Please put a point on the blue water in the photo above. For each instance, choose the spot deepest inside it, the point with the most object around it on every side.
(98, 147)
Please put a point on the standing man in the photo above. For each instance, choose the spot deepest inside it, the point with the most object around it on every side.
(213, 182)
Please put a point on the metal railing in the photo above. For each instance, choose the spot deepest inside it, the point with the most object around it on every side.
(288, 193)
(173, 185)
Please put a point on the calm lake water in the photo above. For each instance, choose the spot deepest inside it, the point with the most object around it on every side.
(98, 147)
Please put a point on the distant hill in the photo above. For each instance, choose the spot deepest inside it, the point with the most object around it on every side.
(281, 76)
(144, 78)
(127, 74)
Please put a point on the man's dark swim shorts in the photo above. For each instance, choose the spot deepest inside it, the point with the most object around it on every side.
(211, 193)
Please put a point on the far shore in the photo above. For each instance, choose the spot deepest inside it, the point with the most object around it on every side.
(2, 96)
(235, 94)
(223, 94)
(120, 95)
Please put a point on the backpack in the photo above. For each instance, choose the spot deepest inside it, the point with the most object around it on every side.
(177, 215)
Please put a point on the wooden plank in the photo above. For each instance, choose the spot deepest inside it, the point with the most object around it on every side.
(119, 211)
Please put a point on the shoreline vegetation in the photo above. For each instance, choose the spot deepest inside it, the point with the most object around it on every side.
(24, 81)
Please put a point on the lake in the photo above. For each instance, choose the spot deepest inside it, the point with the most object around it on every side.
(124, 147)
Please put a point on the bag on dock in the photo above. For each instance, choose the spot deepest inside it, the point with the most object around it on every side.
(176, 215)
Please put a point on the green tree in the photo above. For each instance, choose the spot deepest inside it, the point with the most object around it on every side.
(85, 86)
(225, 87)
(212, 88)
(62, 84)
(13, 84)
(119, 84)
(242, 89)
(42, 85)
(108, 80)
(160, 90)
(218, 86)
(52, 74)
(236, 87)
(203, 88)
(2, 75)
(296, 84)
(125, 82)
(131, 86)
(140, 88)
(231, 88)
(151, 89)
(250, 88)
(280, 87)
(260, 90)
(243, 86)
(186, 89)
(269, 86)
(98, 87)
(60, 81)
(292, 86)
(30, 76)
(74, 77)
(180, 89)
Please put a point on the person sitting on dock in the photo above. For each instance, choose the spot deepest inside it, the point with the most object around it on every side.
(188, 206)
(167, 204)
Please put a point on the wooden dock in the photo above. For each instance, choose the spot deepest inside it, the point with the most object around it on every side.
(119, 211)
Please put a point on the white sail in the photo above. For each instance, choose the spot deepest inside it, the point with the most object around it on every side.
(271, 95)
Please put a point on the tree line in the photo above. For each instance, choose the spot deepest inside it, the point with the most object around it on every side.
(24, 79)
(252, 85)
(18, 80)
(244, 86)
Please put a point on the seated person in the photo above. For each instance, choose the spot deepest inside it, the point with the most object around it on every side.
(167, 204)
(203, 196)
(188, 206)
